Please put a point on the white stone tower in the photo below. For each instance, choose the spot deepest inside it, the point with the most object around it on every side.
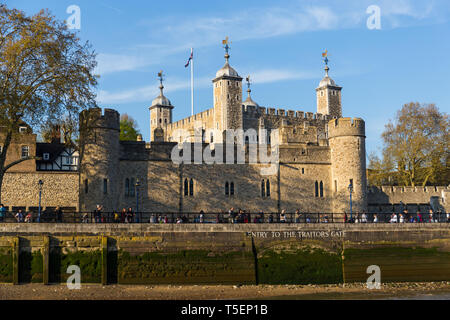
(227, 98)
(160, 113)
(329, 95)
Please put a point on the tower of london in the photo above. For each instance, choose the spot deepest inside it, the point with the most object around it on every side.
(318, 156)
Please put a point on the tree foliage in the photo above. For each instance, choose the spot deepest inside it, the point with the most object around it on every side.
(45, 72)
(416, 148)
(128, 128)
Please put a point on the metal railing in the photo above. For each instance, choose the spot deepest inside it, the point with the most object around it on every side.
(223, 217)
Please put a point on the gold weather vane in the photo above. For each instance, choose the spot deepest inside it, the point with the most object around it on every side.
(248, 81)
(226, 44)
(325, 56)
(160, 76)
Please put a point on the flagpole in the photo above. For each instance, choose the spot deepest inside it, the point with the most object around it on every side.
(192, 83)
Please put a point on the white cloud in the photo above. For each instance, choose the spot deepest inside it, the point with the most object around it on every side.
(177, 33)
(109, 63)
(149, 92)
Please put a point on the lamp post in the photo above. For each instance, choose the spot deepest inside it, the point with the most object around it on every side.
(137, 199)
(40, 185)
(350, 188)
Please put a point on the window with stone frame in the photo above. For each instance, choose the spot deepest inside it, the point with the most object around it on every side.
(132, 187)
(268, 188)
(263, 188)
(316, 189)
(186, 187)
(25, 152)
(127, 187)
(191, 187)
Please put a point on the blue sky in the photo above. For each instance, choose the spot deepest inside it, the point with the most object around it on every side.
(278, 43)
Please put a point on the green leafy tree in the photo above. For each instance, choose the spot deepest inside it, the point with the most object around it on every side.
(45, 71)
(416, 148)
(128, 128)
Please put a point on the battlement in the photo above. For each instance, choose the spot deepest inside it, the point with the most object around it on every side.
(252, 111)
(431, 190)
(346, 127)
(109, 119)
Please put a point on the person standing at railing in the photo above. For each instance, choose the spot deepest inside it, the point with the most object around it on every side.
(283, 216)
(232, 215)
(97, 214)
(375, 218)
(2, 212)
(19, 216)
(201, 216)
(59, 215)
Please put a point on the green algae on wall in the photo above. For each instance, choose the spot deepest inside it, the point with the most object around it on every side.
(88, 261)
(6, 266)
(30, 267)
(186, 266)
(305, 265)
(397, 264)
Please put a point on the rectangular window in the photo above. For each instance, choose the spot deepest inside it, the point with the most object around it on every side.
(46, 156)
(132, 187)
(22, 129)
(25, 152)
(335, 185)
(303, 170)
(105, 186)
(351, 182)
(69, 160)
(86, 190)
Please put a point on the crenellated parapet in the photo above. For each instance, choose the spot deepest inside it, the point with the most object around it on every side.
(346, 127)
(110, 119)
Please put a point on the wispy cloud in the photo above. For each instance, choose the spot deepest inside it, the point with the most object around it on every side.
(149, 92)
(176, 34)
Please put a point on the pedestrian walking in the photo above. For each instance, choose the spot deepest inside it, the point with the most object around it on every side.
(2, 212)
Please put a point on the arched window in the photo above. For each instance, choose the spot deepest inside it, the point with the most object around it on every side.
(263, 188)
(231, 188)
(227, 190)
(186, 186)
(316, 193)
(191, 187)
(267, 188)
(132, 187)
(321, 189)
(127, 187)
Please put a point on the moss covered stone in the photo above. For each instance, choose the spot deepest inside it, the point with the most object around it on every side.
(397, 263)
(300, 266)
(6, 266)
(88, 261)
(186, 266)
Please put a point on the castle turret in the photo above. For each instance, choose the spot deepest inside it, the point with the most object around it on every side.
(329, 96)
(99, 168)
(160, 114)
(348, 163)
(227, 98)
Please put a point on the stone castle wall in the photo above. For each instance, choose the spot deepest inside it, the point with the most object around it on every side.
(59, 189)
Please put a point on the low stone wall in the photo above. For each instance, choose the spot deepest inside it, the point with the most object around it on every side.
(224, 253)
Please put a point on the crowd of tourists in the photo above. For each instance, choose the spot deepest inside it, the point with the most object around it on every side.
(231, 216)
